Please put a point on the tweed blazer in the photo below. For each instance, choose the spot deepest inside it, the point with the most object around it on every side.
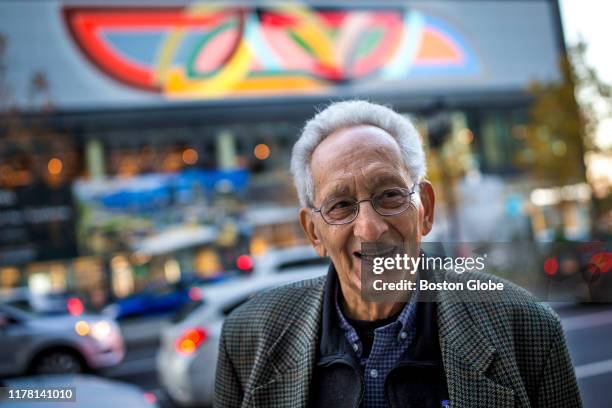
(496, 354)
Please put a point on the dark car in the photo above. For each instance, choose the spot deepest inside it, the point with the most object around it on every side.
(159, 298)
(579, 271)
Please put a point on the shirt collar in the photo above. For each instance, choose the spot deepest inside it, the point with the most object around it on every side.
(405, 318)
(332, 340)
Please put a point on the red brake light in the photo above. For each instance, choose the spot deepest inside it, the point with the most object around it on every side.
(190, 340)
(244, 263)
(75, 306)
(601, 261)
(150, 397)
(195, 293)
(551, 266)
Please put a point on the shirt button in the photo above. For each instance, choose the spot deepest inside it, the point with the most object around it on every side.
(403, 335)
(374, 373)
(355, 346)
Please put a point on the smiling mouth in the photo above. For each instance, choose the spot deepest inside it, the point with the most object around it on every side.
(375, 251)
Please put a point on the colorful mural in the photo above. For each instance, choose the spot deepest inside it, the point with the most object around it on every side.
(205, 51)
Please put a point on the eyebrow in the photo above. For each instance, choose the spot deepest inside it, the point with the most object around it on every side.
(372, 184)
(385, 178)
(337, 190)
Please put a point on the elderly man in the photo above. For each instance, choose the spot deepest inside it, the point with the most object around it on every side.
(359, 170)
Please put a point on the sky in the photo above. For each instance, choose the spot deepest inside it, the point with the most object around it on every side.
(592, 20)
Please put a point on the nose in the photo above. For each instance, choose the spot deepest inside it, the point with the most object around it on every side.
(369, 225)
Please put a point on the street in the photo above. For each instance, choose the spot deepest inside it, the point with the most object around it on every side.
(138, 366)
(587, 329)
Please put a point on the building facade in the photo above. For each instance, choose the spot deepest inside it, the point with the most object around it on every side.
(153, 141)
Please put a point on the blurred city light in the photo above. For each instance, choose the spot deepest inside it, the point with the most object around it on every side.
(466, 136)
(190, 156)
(172, 270)
(150, 397)
(195, 293)
(75, 306)
(82, 328)
(551, 265)
(55, 166)
(100, 330)
(261, 151)
(559, 148)
(244, 263)
(190, 340)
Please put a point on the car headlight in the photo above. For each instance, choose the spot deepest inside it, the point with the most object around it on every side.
(101, 330)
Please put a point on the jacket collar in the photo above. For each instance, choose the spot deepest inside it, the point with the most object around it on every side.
(467, 353)
(458, 329)
(285, 372)
(332, 343)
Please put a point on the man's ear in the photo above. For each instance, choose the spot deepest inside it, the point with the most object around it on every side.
(310, 230)
(428, 200)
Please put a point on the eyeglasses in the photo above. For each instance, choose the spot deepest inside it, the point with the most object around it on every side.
(343, 210)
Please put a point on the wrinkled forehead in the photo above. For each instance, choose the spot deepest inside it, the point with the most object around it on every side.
(364, 142)
(366, 155)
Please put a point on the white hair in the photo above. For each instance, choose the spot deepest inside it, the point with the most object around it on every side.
(346, 114)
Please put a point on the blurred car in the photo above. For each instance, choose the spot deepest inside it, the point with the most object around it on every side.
(43, 303)
(158, 298)
(50, 343)
(187, 357)
(578, 271)
(90, 392)
(290, 259)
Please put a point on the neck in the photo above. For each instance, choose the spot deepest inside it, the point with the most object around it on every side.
(357, 309)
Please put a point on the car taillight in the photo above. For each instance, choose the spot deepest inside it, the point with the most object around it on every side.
(551, 266)
(244, 263)
(75, 306)
(190, 340)
(195, 294)
(150, 397)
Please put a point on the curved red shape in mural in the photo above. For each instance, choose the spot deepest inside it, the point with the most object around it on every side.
(86, 24)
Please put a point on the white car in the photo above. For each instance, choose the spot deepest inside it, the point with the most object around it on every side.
(187, 359)
(88, 392)
(290, 259)
(39, 343)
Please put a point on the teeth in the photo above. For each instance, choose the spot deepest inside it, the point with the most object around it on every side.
(382, 253)
(371, 255)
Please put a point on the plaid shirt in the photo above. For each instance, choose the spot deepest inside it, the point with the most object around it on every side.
(390, 343)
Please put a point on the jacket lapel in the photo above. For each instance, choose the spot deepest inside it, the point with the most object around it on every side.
(291, 358)
(467, 355)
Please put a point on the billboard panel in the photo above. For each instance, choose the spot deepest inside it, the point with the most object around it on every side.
(152, 54)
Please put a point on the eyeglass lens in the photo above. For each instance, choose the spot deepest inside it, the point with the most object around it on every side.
(389, 202)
